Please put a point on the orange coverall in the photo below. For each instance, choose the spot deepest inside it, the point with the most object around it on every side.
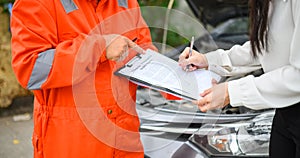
(81, 109)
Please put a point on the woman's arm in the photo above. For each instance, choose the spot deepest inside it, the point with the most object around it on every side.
(238, 55)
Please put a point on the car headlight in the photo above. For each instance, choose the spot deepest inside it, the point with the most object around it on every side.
(243, 139)
(223, 141)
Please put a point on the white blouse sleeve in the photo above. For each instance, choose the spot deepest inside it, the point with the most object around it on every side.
(238, 55)
(274, 89)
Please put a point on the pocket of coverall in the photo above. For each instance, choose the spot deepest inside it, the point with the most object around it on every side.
(37, 146)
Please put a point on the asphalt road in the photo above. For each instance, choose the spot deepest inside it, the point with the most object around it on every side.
(15, 137)
(16, 128)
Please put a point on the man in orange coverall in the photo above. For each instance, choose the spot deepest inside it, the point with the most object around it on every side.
(66, 52)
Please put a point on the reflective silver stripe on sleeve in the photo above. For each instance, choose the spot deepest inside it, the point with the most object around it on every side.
(69, 5)
(123, 3)
(41, 69)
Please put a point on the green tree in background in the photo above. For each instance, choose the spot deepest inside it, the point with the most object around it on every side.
(173, 39)
(6, 1)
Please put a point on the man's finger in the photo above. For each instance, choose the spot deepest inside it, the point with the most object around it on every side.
(135, 47)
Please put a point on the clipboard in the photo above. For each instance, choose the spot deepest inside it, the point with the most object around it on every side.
(156, 71)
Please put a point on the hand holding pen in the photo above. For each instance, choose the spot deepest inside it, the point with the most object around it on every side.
(191, 60)
(190, 53)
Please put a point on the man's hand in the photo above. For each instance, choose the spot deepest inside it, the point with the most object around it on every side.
(118, 46)
(196, 60)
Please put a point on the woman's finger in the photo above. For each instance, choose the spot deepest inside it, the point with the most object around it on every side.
(206, 92)
(184, 54)
(214, 82)
(203, 108)
(202, 102)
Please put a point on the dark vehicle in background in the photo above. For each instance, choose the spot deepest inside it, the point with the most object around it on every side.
(176, 128)
(228, 20)
(228, 17)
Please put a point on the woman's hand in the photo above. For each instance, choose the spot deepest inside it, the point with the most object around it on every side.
(195, 61)
(215, 97)
(118, 47)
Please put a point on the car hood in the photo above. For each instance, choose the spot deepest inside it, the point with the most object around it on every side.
(214, 12)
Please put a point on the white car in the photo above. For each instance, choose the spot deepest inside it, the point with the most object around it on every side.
(178, 129)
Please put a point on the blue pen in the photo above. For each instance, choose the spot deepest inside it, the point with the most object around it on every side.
(190, 52)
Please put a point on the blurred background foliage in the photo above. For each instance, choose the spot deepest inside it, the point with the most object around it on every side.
(173, 39)
(5, 1)
(5, 4)
(162, 3)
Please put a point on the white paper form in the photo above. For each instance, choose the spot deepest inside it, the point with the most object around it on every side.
(159, 72)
